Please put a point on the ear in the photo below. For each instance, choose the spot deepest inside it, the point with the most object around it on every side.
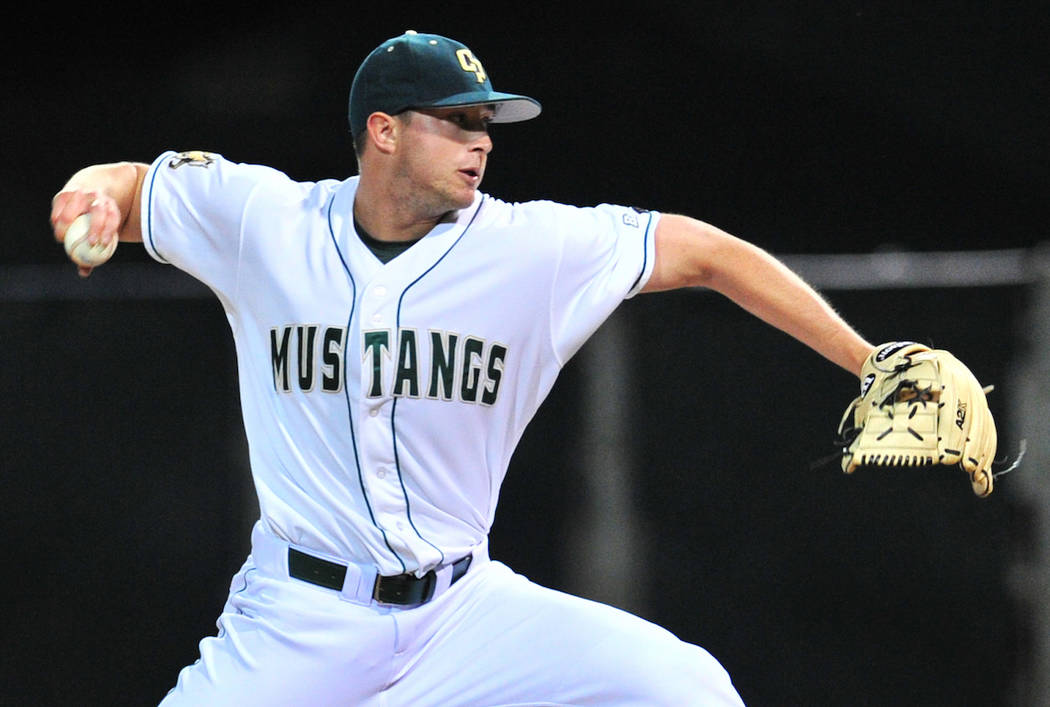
(383, 130)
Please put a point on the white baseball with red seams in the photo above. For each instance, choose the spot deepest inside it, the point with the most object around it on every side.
(382, 404)
(79, 248)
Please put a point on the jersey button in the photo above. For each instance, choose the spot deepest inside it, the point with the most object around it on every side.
(381, 473)
(373, 412)
(379, 291)
(377, 318)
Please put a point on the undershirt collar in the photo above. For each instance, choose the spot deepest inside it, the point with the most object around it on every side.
(385, 251)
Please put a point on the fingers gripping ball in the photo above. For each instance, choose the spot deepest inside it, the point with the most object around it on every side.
(919, 407)
(80, 250)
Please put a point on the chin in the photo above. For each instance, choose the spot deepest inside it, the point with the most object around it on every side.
(464, 200)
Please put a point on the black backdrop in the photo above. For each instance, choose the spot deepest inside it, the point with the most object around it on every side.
(850, 128)
(125, 516)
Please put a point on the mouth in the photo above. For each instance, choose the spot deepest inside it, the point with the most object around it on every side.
(471, 174)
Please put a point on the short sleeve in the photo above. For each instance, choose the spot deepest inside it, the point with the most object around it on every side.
(193, 208)
(607, 255)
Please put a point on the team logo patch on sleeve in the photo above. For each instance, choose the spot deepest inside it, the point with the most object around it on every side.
(631, 219)
(195, 158)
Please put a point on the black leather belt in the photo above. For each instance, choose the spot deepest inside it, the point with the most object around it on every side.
(403, 589)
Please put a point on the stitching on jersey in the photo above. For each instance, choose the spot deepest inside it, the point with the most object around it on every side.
(645, 253)
(346, 384)
(234, 295)
(550, 303)
(393, 406)
(149, 206)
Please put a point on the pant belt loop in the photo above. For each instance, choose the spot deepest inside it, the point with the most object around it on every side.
(451, 573)
(442, 580)
(360, 580)
(269, 553)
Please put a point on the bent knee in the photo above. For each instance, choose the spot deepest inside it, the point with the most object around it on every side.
(687, 675)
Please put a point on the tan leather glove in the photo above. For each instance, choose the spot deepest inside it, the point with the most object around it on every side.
(919, 407)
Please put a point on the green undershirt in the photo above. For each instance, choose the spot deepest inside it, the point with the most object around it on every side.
(384, 250)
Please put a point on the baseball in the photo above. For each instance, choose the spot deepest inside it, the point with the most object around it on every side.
(79, 250)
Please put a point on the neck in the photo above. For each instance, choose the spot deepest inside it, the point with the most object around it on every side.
(386, 218)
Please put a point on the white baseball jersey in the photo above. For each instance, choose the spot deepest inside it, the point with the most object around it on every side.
(382, 402)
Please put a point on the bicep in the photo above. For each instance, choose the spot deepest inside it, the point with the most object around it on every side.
(685, 249)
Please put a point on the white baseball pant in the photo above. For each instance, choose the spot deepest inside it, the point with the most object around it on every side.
(492, 638)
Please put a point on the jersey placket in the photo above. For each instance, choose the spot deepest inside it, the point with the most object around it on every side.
(379, 470)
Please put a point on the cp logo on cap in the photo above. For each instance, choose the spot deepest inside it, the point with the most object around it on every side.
(469, 63)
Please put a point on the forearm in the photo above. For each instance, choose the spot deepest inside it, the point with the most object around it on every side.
(765, 287)
(691, 253)
(110, 192)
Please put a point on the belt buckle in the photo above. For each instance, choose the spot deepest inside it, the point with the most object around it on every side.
(404, 589)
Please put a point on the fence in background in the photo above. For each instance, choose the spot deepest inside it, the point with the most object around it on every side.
(607, 519)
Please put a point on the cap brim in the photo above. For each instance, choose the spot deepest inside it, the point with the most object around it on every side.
(509, 107)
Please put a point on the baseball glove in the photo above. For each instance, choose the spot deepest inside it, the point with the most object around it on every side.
(919, 407)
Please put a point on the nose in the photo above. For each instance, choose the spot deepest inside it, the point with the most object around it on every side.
(482, 143)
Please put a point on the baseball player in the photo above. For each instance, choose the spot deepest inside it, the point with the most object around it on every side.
(395, 332)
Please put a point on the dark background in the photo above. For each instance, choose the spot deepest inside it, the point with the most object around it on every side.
(807, 128)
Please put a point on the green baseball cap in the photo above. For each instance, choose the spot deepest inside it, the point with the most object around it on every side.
(428, 71)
